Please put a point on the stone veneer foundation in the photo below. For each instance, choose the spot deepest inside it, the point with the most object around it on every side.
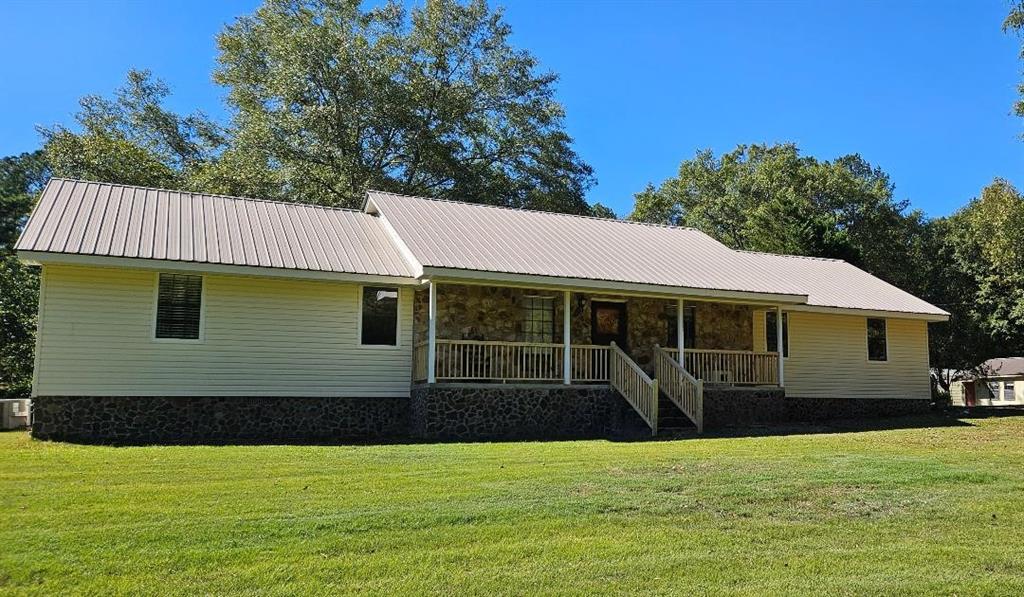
(726, 406)
(432, 412)
(474, 412)
(149, 419)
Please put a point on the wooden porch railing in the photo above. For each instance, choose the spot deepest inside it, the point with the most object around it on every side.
(685, 391)
(492, 360)
(502, 361)
(589, 362)
(742, 367)
(635, 386)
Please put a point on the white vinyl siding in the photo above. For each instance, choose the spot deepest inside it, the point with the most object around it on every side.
(262, 337)
(994, 392)
(956, 393)
(828, 357)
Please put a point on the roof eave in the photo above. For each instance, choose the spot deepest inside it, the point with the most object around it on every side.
(929, 317)
(49, 258)
(462, 276)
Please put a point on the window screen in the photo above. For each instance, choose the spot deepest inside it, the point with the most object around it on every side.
(1008, 390)
(877, 349)
(380, 316)
(771, 332)
(539, 319)
(179, 304)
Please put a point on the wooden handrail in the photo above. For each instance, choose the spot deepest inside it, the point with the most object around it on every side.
(683, 389)
(744, 367)
(499, 342)
(639, 390)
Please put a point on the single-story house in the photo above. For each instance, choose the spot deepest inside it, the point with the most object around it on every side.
(996, 382)
(168, 315)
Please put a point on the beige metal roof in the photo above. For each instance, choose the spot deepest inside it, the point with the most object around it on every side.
(465, 236)
(107, 220)
(1002, 367)
(836, 283)
(90, 218)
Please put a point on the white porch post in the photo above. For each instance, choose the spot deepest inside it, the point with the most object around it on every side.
(681, 331)
(432, 335)
(566, 337)
(778, 345)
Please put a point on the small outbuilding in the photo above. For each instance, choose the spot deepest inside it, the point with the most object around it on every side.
(996, 382)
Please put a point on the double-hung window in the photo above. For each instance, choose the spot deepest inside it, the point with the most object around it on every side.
(179, 307)
(378, 322)
(878, 343)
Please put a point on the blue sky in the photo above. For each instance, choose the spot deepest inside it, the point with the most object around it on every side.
(921, 89)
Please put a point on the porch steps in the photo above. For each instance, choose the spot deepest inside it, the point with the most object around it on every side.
(670, 418)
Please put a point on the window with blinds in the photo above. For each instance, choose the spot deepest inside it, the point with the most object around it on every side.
(179, 306)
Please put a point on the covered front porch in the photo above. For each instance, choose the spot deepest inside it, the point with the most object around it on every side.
(487, 334)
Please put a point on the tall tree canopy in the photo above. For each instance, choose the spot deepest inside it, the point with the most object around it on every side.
(770, 198)
(21, 177)
(134, 139)
(1015, 23)
(987, 236)
(331, 99)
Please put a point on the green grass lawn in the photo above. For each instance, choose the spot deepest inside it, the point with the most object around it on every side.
(932, 510)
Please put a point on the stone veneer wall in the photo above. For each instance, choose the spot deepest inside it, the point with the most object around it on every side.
(726, 406)
(504, 412)
(471, 312)
(438, 412)
(121, 419)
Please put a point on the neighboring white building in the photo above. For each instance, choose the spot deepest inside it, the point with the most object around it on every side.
(14, 414)
(999, 382)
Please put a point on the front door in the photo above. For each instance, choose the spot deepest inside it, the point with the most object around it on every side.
(608, 323)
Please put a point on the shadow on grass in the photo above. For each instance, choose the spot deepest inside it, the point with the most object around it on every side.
(949, 418)
(924, 421)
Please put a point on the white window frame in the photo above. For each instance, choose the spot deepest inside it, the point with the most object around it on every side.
(867, 342)
(398, 318)
(156, 309)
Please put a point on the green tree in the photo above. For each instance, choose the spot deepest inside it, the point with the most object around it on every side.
(599, 210)
(133, 139)
(1015, 23)
(21, 178)
(770, 198)
(332, 99)
(987, 239)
